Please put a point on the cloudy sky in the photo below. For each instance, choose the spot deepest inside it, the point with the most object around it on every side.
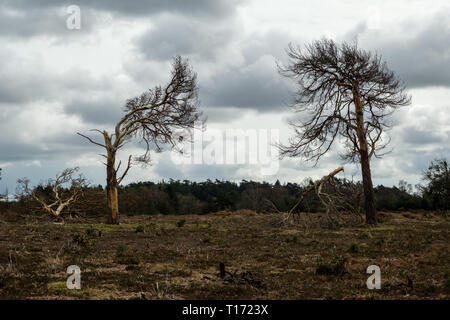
(55, 81)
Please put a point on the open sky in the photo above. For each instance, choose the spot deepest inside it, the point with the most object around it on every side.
(55, 81)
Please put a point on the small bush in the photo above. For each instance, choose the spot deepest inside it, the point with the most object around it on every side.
(128, 259)
(181, 223)
(83, 240)
(140, 229)
(92, 232)
(121, 249)
(155, 229)
(379, 242)
(291, 239)
(353, 248)
(123, 256)
(334, 266)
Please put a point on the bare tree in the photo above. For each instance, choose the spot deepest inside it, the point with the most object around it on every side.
(157, 117)
(60, 197)
(23, 189)
(343, 91)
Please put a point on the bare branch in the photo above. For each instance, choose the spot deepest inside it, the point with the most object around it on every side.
(91, 141)
(328, 79)
(62, 197)
(119, 181)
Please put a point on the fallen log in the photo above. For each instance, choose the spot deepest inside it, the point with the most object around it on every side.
(315, 186)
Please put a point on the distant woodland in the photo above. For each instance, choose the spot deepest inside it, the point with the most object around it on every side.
(174, 197)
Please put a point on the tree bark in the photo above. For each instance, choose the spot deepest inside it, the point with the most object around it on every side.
(113, 204)
(369, 196)
(111, 183)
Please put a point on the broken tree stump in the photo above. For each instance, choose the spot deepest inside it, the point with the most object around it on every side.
(315, 186)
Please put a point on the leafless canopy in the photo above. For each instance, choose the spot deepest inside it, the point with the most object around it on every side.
(59, 198)
(328, 78)
(158, 116)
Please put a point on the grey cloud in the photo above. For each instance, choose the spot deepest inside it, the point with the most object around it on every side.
(253, 84)
(17, 151)
(96, 111)
(272, 43)
(419, 55)
(413, 161)
(237, 72)
(145, 7)
(185, 36)
(21, 85)
(416, 136)
(221, 115)
(28, 21)
(26, 80)
(197, 172)
(135, 7)
(166, 168)
(257, 86)
(40, 150)
(28, 18)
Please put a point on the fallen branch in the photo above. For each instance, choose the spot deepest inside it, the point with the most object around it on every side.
(315, 186)
(61, 199)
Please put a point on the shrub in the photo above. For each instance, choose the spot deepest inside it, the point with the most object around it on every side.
(140, 229)
(92, 232)
(123, 256)
(83, 240)
(128, 259)
(121, 249)
(181, 223)
(334, 266)
(353, 248)
(291, 239)
(379, 242)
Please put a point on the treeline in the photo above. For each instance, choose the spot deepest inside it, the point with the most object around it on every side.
(187, 197)
(190, 197)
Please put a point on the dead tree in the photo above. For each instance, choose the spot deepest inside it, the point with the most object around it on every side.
(338, 197)
(344, 91)
(158, 117)
(317, 186)
(60, 197)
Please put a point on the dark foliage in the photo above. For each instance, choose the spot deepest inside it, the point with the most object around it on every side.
(393, 198)
(437, 192)
(190, 197)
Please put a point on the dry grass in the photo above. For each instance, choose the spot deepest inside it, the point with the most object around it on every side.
(156, 257)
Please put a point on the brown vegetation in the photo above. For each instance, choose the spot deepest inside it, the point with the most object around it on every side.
(158, 257)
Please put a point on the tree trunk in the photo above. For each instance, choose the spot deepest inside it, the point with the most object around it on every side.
(369, 195)
(111, 189)
(113, 204)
